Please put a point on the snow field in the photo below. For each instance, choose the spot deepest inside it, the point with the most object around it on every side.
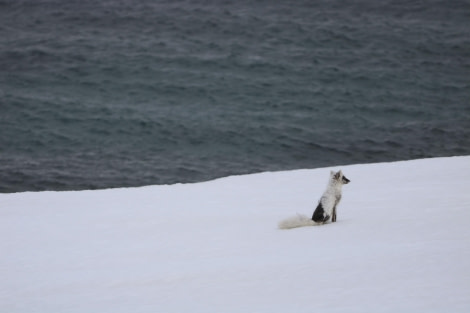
(401, 244)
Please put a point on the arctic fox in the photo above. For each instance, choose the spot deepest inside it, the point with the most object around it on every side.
(326, 208)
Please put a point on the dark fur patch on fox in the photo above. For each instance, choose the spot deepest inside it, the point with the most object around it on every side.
(319, 214)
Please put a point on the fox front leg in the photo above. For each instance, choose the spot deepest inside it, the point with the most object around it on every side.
(333, 216)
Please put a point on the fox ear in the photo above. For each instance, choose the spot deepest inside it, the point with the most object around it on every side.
(338, 175)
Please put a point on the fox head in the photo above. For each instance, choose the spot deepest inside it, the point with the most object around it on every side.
(339, 177)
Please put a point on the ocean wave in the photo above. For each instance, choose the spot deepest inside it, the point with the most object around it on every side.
(109, 94)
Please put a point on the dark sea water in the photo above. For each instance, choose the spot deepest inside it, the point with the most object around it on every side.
(112, 93)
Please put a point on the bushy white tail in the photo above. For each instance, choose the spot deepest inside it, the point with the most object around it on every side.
(296, 221)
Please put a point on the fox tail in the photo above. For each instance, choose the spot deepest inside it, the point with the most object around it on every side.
(296, 221)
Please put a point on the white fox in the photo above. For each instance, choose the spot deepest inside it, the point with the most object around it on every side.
(326, 208)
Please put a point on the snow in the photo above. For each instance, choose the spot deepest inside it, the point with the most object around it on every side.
(401, 244)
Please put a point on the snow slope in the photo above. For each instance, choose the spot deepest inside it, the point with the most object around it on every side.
(401, 244)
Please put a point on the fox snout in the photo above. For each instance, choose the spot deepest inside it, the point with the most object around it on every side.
(345, 180)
